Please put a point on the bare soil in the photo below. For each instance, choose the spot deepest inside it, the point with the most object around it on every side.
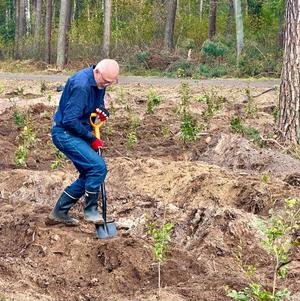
(211, 189)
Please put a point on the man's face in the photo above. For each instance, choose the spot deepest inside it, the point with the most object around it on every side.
(101, 81)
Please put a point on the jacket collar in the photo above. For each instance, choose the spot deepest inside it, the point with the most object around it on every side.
(92, 81)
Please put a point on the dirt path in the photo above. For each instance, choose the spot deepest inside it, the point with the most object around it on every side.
(160, 81)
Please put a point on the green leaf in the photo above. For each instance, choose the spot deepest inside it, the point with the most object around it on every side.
(238, 296)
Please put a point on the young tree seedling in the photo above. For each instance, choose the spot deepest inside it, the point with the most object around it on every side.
(277, 240)
(161, 237)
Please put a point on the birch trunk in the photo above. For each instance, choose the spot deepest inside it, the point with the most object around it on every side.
(62, 33)
(107, 27)
(239, 28)
(17, 11)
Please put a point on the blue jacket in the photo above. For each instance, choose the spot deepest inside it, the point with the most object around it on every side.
(80, 98)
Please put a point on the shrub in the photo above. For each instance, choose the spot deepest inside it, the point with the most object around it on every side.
(207, 71)
(143, 56)
(238, 126)
(213, 49)
(254, 62)
(20, 155)
(132, 139)
(182, 68)
(189, 129)
(153, 100)
(19, 119)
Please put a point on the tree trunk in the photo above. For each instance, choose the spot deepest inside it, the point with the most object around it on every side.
(201, 9)
(27, 11)
(62, 33)
(22, 24)
(69, 19)
(117, 26)
(17, 43)
(212, 24)
(169, 30)
(9, 17)
(239, 28)
(77, 9)
(107, 27)
(54, 8)
(289, 99)
(280, 36)
(37, 28)
(230, 17)
(48, 31)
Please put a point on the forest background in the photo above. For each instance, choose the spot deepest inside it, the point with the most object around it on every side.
(183, 38)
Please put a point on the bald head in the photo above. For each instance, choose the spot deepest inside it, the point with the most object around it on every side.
(106, 72)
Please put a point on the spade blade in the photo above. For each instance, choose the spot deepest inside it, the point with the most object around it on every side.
(106, 230)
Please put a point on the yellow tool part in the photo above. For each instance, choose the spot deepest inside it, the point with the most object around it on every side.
(96, 126)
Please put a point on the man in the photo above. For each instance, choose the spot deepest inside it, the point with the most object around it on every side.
(72, 134)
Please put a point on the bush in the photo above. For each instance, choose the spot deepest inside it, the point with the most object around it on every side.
(206, 71)
(189, 129)
(254, 62)
(214, 49)
(237, 125)
(186, 45)
(143, 56)
(182, 68)
(214, 58)
(153, 100)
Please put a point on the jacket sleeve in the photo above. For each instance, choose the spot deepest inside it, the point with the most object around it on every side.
(73, 112)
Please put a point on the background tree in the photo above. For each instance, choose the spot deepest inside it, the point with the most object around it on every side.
(62, 45)
(77, 8)
(230, 18)
(107, 27)
(201, 9)
(48, 31)
(28, 15)
(239, 28)
(147, 19)
(22, 19)
(37, 27)
(20, 26)
(7, 19)
(289, 102)
(169, 29)
(212, 24)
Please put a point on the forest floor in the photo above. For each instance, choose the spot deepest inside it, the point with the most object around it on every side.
(211, 189)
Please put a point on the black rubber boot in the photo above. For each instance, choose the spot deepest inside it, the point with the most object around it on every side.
(91, 213)
(60, 212)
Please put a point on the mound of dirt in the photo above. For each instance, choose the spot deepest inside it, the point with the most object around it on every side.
(238, 153)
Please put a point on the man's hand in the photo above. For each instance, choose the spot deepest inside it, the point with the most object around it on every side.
(96, 144)
(103, 113)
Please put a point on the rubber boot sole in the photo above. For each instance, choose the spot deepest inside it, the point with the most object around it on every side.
(97, 221)
(54, 220)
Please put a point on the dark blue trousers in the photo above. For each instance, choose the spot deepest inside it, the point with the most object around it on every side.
(92, 168)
